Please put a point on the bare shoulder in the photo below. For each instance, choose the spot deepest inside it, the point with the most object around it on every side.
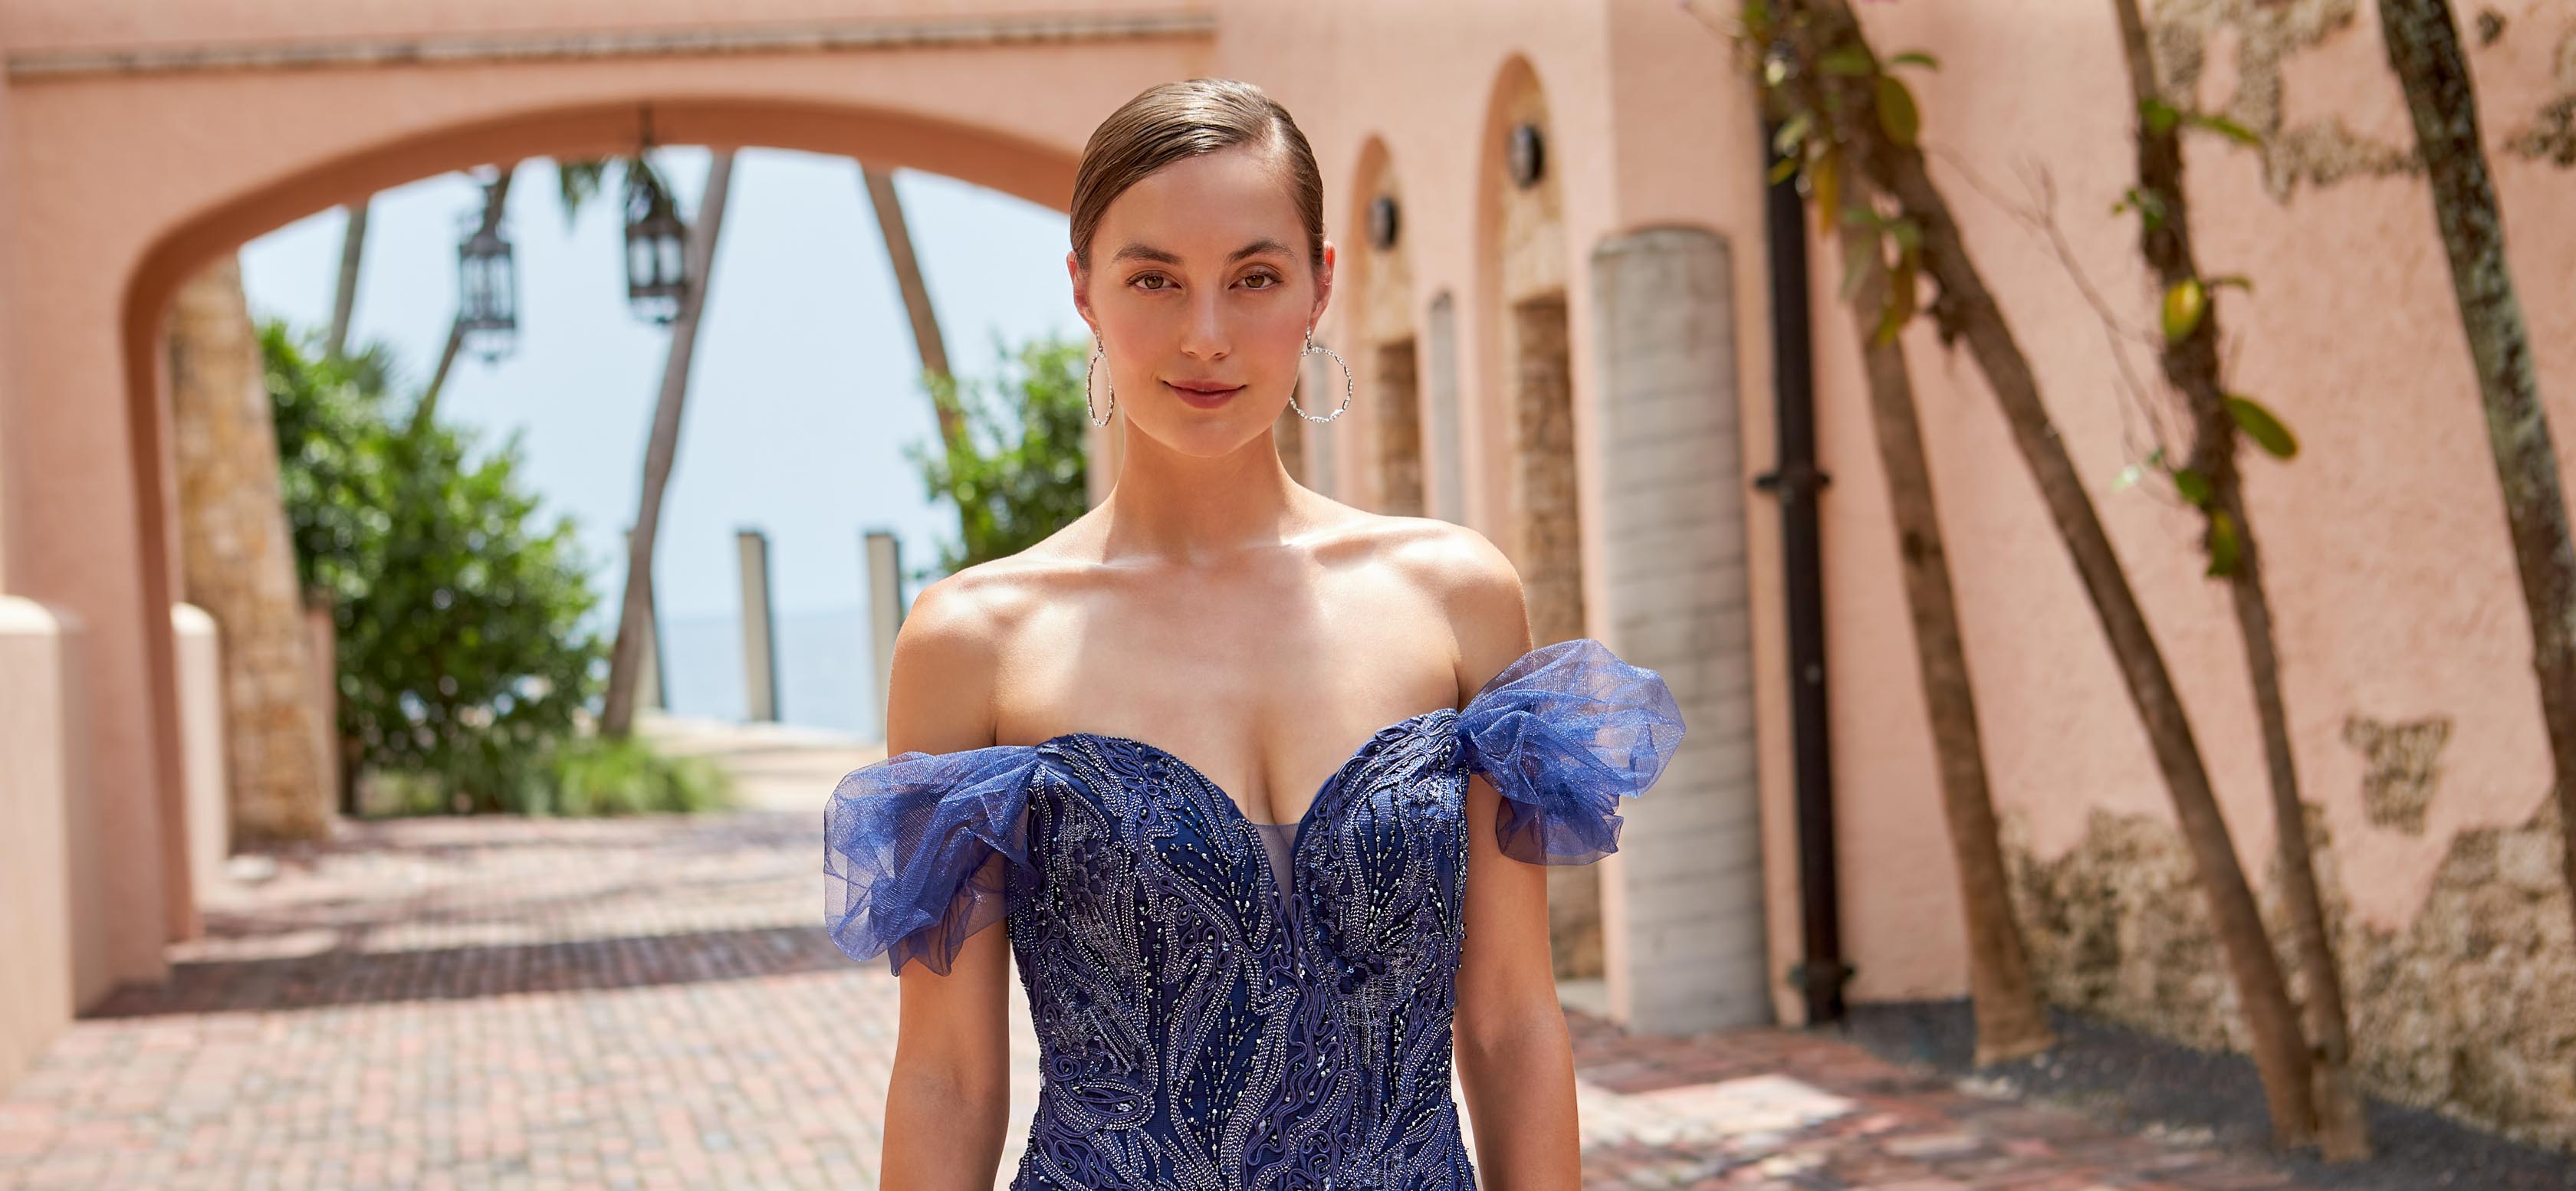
(948, 652)
(1468, 578)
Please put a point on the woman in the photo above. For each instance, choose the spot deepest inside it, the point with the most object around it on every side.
(1249, 968)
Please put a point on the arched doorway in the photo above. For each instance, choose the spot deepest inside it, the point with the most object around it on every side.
(1532, 359)
(1385, 347)
(153, 166)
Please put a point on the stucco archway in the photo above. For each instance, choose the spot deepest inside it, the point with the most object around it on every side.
(140, 171)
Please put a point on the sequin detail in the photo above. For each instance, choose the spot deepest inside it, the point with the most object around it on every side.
(1206, 1020)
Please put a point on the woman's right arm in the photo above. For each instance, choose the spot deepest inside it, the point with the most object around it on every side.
(948, 1100)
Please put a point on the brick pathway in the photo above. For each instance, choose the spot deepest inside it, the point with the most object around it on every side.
(650, 1003)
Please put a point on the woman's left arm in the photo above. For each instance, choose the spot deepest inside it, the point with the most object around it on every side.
(1515, 1062)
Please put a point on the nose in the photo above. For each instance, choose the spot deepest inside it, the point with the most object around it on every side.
(1203, 331)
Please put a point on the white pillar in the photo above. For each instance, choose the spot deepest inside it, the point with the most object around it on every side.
(759, 654)
(1682, 899)
(884, 556)
(1319, 389)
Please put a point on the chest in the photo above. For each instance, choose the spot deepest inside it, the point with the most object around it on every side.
(1265, 694)
(1143, 864)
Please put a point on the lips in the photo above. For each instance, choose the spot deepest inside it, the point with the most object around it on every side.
(1203, 394)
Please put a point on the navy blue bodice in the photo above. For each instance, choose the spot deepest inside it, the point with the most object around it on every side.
(1227, 1004)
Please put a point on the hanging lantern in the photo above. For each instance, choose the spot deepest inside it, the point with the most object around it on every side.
(487, 289)
(656, 274)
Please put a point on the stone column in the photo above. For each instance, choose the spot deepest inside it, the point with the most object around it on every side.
(1546, 518)
(1399, 431)
(238, 562)
(1440, 386)
(1683, 896)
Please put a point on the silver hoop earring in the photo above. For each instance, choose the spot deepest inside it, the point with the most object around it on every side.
(1087, 408)
(1347, 384)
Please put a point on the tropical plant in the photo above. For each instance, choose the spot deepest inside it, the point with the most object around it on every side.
(1851, 127)
(461, 654)
(1017, 472)
(2423, 42)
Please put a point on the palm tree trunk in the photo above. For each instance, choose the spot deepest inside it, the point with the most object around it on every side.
(344, 299)
(1816, 29)
(2191, 366)
(617, 712)
(2011, 1022)
(2424, 49)
(916, 296)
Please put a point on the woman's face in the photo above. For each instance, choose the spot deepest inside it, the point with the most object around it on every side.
(1201, 295)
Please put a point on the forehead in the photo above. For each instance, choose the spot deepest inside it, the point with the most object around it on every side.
(1205, 206)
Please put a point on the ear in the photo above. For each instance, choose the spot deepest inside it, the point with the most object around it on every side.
(1323, 286)
(1081, 291)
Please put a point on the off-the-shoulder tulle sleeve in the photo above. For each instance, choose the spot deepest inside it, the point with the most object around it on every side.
(907, 843)
(1563, 733)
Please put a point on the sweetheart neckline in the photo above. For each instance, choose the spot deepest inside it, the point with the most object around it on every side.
(1299, 824)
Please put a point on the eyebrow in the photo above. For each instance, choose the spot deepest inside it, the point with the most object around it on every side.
(1147, 252)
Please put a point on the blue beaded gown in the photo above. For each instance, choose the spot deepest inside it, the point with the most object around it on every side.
(1227, 1004)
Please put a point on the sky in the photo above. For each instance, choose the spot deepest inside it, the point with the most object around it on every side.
(804, 385)
(803, 390)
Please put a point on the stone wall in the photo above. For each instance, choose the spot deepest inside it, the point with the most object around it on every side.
(1399, 431)
(1547, 546)
(239, 562)
(2470, 1011)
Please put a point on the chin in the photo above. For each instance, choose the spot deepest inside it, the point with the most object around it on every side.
(1203, 434)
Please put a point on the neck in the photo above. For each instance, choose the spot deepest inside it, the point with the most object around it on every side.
(1190, 509)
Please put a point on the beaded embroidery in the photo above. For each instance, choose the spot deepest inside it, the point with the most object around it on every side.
(1207, 1019)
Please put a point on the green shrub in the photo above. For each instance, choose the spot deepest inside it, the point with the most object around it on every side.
(577, 775)
(591, 775)
(463, 660)
(1020, 473)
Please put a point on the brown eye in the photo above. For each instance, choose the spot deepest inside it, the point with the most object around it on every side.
(1271, 278)
(1140, 283)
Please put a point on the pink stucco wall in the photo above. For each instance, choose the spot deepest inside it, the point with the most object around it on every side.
(124, 181)
(49, 860)
(2391, 576)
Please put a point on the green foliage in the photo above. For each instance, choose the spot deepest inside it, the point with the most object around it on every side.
(597, 776)
(461, 656)
(579, 775)
(2186, 303)
(2262, 425)
(1814, 105)
(330, 474)
(1019, 473)
(580, 180)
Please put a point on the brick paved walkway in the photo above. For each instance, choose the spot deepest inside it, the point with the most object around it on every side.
(650, 1003)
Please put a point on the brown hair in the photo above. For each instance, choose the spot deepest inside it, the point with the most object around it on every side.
(1171, 121)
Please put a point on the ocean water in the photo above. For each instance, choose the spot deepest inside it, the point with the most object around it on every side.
(825, 668)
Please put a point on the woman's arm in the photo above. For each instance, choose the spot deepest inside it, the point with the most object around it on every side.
(948, 1099)
(1514, 1059)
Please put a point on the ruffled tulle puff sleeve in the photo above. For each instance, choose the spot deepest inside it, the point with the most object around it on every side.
(1563, 733)
(908, 845)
